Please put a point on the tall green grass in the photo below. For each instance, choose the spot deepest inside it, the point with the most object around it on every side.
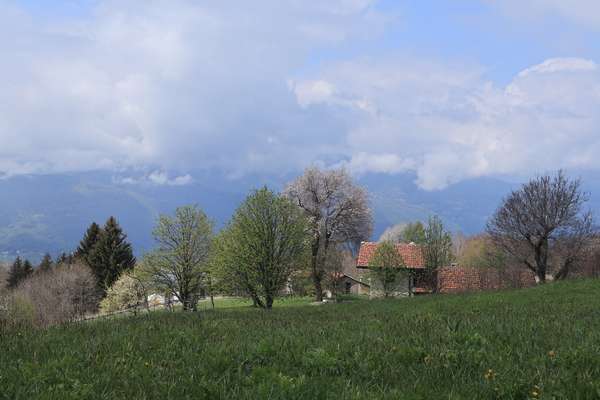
(533, 343)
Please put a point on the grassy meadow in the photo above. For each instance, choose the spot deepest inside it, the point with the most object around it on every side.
(524, 344)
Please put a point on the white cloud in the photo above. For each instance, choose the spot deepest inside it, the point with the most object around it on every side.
(310, 92)
(175, 84)
(449, 124)
(233, 86)
(385, 163)
(560, 65)
(160, 178)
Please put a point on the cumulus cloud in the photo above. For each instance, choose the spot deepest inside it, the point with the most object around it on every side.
(176, 84)
(234, 87)
(449, 124)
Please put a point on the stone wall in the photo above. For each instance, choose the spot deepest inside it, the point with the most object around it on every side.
(464, 279)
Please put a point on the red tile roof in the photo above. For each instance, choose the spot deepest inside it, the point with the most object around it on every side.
(412, 254)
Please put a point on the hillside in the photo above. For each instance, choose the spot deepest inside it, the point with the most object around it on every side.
(50, 212)
(531, 343)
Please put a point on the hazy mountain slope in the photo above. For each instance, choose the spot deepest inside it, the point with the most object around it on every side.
(51, 212)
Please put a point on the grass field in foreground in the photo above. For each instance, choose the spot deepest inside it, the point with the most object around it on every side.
(533, 343)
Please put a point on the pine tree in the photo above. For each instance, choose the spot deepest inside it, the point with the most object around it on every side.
(46, 264)
(15, 273)
(18, 272)
(90, 238)
(27, 268)
(111, 255)
(65, 259)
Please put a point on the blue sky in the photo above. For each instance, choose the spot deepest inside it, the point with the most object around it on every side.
(156, 91)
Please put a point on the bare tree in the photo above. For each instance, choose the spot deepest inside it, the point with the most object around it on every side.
(179, 264)
(338, 212)
(64, 294)
(543, 225)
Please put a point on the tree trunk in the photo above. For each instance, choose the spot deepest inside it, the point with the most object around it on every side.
(563, 272)
(541, 256)
(257, 301)
(316, 276)
(269, 302)
(318, 287)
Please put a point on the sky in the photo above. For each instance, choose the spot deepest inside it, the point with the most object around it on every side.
(158, 91)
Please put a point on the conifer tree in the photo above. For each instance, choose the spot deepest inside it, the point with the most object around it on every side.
(27, 268)
(90, 238)
(46, 264)
(18, 272)
(111, 255)
(64, 258)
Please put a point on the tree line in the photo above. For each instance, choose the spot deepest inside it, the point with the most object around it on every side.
(310, 231)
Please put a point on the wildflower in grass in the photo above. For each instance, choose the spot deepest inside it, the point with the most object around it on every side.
(489, 375)
(536, 392)
(552, 354)
(427, 360)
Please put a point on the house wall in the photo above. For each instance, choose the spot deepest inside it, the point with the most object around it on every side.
(401, 289)
(355, 287)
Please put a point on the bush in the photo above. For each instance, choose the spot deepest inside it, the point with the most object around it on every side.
(16, 312)
(64, 294)
(127, 293)
(3, 278)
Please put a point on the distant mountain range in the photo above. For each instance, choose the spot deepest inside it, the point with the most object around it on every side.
(50, 212)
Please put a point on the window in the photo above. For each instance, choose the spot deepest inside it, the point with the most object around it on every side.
(348, 287)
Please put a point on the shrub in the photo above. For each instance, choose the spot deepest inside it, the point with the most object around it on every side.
(65, 294)
(16, 312)
(128, 292)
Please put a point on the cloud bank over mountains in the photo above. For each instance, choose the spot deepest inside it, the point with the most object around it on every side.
(448, 124)
(173, 87)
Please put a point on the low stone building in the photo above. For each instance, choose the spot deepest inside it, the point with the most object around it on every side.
(354, 285)
(451, 279)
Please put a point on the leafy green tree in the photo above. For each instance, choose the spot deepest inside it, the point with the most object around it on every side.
(86, 245)
(179, 264)
(437, 249)
(18, 272)
(414, 232)
(46, 264)
(111, 255)
(387, 267)
(263, 244)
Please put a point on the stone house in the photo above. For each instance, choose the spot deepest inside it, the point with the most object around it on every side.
(450, 279)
